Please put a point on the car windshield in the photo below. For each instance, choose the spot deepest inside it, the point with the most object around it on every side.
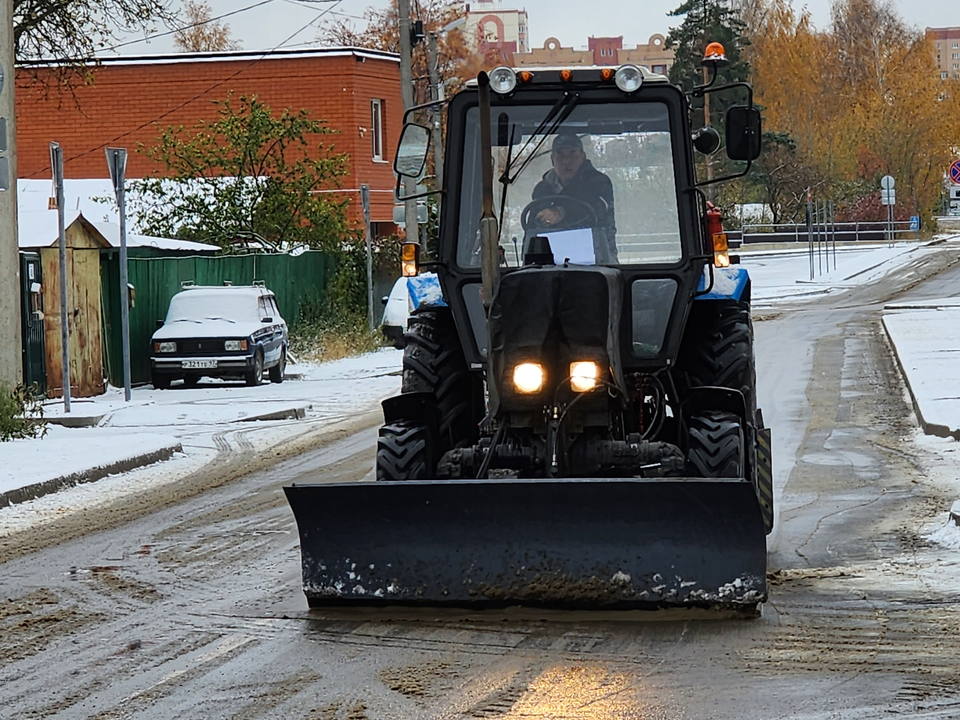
(600, 186)
(200, 305)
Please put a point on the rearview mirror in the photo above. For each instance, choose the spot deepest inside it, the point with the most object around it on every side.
(412, 151)
(743, 133)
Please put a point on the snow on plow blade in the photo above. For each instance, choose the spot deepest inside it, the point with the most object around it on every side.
(570, 543)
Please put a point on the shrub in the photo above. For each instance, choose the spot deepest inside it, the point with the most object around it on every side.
(21, 413)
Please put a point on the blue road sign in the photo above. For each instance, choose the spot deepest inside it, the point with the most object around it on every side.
(914, 222)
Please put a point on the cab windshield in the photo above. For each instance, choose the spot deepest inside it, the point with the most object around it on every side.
(600, 185)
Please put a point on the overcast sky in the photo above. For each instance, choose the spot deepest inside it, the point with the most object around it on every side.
(293, 24)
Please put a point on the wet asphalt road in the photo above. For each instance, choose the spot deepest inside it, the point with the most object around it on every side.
(195, 611)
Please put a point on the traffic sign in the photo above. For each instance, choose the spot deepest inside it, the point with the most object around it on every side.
(955, 172)
(888, 197)
(887, 182)
(914, 222)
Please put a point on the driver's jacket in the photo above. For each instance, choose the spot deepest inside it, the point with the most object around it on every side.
(594, 188)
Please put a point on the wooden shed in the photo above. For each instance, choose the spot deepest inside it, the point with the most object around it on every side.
(39, 232)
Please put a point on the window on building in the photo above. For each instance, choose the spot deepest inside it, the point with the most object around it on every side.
(956, 45)
(661, 69)
(943, 76)
(956, 56)
(376, 128)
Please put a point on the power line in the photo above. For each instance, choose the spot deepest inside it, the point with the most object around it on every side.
(199, 95)
(187, 27)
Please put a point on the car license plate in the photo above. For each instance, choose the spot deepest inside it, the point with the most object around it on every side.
(198, 364)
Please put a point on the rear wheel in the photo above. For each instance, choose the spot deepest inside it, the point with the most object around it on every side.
(255, 375)
(276, 372)
(403, 451)
(716, 448)
(433, 362)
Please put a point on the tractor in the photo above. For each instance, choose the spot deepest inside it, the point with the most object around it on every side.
(577, 425)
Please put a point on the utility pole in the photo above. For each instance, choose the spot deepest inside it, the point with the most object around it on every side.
(406, 93)
(11, 349)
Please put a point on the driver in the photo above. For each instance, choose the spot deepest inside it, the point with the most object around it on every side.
(575, 176)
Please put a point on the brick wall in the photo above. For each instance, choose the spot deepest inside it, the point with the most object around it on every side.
(129, 100)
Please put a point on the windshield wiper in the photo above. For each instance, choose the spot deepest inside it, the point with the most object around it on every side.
(221, 318)
(557, 115)
(184, 320)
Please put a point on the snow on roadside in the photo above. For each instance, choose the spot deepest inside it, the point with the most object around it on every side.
(784, 275)
(203, 419)
(69, 451)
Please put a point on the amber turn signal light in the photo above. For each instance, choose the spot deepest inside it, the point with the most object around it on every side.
(410, 259)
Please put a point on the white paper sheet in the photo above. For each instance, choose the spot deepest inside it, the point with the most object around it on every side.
(575, 246)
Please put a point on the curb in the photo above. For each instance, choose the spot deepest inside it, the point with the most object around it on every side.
(32, 492)
(298, 412)
(76, 421)
(928, 427)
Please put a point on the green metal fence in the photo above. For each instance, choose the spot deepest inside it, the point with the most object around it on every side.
(296, 281)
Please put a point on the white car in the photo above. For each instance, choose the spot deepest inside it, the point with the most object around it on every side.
(396, 312)
(220, 331)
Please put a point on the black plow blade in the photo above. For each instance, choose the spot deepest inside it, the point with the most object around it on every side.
(571, 543)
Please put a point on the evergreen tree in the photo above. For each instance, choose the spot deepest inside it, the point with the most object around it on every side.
(704, 22)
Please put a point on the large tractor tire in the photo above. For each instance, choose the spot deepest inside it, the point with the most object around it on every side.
(433, 362)
(717, 349)
(716, 445)
(403, 451)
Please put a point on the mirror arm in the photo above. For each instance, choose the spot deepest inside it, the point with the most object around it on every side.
(701, 90)
(722, 178)
(426, 193)
(425, 106)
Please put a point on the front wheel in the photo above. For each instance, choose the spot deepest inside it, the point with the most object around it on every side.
(255, 375)
(159, 380)
(715, 448)
(276, 372)
(403, 451)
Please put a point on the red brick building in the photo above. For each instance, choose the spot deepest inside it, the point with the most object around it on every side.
(356, 91)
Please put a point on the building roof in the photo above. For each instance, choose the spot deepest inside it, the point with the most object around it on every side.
(41, 228)
(93, 200)
(227, 55)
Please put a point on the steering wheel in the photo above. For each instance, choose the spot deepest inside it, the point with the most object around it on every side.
(576, 213)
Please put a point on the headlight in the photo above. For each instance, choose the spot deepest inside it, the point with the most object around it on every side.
(165, 347)
(502, 80)
(528, 377)
(583, 376)
(234, 345)
(629, 78)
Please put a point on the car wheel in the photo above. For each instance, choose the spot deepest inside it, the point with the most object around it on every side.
(159, 380)
(276, 372)
(255, 376)
(190, 381)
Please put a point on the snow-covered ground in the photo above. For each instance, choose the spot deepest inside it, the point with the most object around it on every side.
(784, 275)
(213, 418)
(217, 416)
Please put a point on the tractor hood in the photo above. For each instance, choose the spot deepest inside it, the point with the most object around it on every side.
(554, 316)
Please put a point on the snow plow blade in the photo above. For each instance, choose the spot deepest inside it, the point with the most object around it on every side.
(570, 543)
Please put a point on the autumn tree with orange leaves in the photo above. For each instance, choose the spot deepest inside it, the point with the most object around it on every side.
(458, 62)
(850, 104)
